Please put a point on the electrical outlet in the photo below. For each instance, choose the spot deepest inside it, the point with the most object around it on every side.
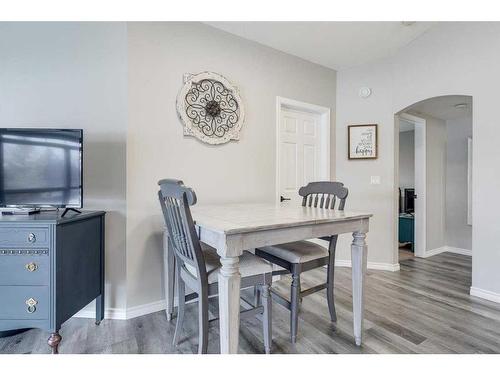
(375, 180)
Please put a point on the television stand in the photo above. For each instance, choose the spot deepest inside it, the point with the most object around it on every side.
(50, 268)
(70, 209)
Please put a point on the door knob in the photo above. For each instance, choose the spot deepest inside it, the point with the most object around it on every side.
(282, 198)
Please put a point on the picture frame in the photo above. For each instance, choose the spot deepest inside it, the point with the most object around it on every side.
(362, 141)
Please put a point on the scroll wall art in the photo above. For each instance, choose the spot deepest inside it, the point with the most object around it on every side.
(210, 108)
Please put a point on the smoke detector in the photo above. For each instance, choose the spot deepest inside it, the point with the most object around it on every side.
(364, 92)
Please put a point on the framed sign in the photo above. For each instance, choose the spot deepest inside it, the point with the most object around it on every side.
(362, 142)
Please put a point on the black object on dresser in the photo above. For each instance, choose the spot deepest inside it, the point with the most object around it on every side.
(50, 268)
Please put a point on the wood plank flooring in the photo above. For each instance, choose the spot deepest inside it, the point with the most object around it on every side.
(405, 254)
(424, 308)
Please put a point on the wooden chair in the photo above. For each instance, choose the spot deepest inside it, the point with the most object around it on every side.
(301, 256)
(198, 266)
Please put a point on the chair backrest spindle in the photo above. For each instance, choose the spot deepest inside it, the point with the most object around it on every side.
(331, 189)
(175, 200)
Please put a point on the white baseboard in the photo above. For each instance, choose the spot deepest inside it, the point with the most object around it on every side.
(149, 308)
(370, 265)
(436, 251)
(383, 266)
(457, 250)
(449, 249)
(109, 313)
(124, 314)
(485, 294)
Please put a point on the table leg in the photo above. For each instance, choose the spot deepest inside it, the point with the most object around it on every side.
(169, 273)
(229, 304)
(359, 251)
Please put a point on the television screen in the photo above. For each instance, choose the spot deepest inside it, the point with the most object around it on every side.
(409, 200)
(41, 168)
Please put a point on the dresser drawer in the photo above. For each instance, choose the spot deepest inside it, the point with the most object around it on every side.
(17, 299)
(24, 236)
(31, 267)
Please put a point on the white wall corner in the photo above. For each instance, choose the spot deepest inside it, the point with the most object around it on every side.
(485, 294)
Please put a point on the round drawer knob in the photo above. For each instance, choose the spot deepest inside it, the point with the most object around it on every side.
(31, 237)
(31, 303)
(31, 267)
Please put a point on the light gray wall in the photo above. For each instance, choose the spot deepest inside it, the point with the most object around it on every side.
(406, 160)
(432, 65)
(73, 75)
(435, 194)
(159, 55)
(377, 199)
(458, 233)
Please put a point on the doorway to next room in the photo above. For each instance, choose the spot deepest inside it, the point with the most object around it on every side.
(435, 174)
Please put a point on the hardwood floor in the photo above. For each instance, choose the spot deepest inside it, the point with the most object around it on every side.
(424, 308)
(405, 254)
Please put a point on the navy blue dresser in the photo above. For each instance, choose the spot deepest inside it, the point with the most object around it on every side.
(407, 229)
(50, 268)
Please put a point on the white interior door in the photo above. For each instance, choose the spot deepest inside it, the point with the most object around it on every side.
(300, 152)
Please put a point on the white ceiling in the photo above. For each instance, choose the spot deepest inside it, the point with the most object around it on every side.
(336, 45)
(443, 107)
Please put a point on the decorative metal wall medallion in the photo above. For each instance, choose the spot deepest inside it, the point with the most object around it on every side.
(210, 108)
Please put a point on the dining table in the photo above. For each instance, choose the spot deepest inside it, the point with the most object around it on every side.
(236, 227)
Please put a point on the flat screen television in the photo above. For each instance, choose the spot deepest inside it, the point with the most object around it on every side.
(41, 168)
(409, 200)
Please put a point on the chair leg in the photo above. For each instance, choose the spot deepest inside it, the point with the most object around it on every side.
(202, 322)
(180, 310)
(330, 278)
(294, 306)
(256, 296)
(267, 318)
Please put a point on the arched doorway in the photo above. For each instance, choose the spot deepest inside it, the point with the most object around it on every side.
(440, 207)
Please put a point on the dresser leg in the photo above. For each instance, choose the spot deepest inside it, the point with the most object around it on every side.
(99, 309)
(53, 341)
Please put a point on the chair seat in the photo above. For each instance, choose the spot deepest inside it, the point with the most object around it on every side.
(296, 252)
(250, 264)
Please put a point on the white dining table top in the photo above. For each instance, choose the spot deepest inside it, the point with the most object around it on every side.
(237, 218)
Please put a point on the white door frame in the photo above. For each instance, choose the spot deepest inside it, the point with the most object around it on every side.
(324, 112)
(420, 184)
